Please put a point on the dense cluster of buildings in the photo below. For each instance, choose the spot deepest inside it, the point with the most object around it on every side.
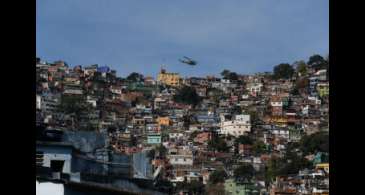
(186, 143)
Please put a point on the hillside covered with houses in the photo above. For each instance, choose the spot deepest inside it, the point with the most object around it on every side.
(265, 133)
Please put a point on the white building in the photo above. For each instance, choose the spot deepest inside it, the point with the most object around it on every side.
(181, 159)
(254, 88)
(282, 133)
(176, 135)
(238, 126)
(46, 188)
(315, 99)
(39, 102)
(116, 90)
(92, 101)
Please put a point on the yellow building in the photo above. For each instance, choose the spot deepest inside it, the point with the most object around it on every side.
(324, 166)
(280, 121)
(165, 121)
(171, 79)
(323, 89)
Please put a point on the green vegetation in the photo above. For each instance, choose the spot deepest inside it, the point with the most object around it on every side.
(187, 95)
(294, 160)
(215, 189)
(218, 144)
(283, 71)
(159, 151)
(74, 105)
(151, 154)
(317, 62)
(317, 142)
(215, 94)
(290, 164)
(301, 67)
(254, 117)
(135, 77)
(162, 151)
(236, 110)
(194, 187)
(193, 134)
(226, 74)
(301, 84)
(259, 148)
(244, 139)
(243, 172)
(218, 176)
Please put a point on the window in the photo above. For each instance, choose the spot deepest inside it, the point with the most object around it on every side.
(57, 165)
(39, 158)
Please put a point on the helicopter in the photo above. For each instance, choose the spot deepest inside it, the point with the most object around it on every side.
(188, 61)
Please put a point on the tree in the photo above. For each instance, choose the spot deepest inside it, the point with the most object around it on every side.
(236, 110)
(254, 117)
(215, 189)
(245, 171)
(328, 63)
(244, 139)
(290, 164)
(194, 187)
(135, 77)
(272, 169)
(301, 67)
(317, 62)
(259, 147)
(187, 121)
(301, 85)
(74, 105)
(294, 91)
(133, 141)
(218, 176)
(194, 134)
(112, 129)
(215, 94)
(187, 95)
(218, 144)
(317, 142)
(162, 151)
(232, 76)
(151, 154)
(283, 71)
(225, 73)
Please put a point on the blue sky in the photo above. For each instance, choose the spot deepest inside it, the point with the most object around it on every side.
(245, 36)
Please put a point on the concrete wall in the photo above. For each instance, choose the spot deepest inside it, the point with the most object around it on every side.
(47, 188)
(141, 166)
(86, 141)
(56, 153)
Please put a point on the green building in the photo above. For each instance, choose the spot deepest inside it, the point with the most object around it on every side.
(148, 90)
(320, 158)
(154, 139)
(233, 188)
(285, 101)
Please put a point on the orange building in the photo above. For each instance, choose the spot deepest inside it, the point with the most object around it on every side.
(163, 121)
